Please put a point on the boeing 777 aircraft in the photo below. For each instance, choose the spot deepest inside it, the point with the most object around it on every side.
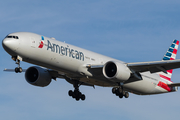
(55, 59)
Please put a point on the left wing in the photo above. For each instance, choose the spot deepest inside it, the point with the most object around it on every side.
(154, 66)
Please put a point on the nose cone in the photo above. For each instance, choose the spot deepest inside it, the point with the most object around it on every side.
(10, 45)
(6, 43)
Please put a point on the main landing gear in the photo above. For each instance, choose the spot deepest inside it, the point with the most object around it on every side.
(118, 91)
(76, 94)
(17, 69)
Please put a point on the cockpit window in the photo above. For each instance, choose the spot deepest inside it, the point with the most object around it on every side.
(9, 36)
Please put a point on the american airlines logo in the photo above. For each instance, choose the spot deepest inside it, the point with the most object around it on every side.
(42, 42)
(64, 50)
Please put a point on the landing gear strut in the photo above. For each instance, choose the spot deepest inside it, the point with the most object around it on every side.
(76, 94)
(118, 91)
(17, 69)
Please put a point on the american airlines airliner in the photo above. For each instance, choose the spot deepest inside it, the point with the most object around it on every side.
(55, 59)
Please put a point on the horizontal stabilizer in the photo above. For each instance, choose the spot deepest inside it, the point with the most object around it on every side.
(174, 85)
(154, 66)
(13, 70)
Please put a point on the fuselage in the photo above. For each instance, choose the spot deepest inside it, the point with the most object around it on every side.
(72, 61)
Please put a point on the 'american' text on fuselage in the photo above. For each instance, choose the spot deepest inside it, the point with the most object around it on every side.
(65, 51)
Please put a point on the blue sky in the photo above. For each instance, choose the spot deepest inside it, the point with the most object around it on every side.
(131, 31)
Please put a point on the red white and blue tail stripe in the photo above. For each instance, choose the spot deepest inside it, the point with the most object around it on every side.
(170, 55)
(172, 51)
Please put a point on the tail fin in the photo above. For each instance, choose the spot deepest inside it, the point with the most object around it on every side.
(172, 51)
(170, 55)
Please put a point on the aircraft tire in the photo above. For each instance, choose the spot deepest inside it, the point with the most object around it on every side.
(76, 92)
(121, 95)
(123, 92)
(114, 90)
(20, 69)
(16, 69)
(117, 93)
(126, 95)
(80, 94)
(120, 90)
(77, 98)
(73, 95)
(83, 97)
(70, 93)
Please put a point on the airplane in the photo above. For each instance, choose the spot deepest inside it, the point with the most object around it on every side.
(55, 59)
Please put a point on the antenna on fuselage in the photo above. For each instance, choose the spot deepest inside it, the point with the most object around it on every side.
(53, 38)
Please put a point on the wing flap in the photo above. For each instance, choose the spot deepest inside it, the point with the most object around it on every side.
(154, 66)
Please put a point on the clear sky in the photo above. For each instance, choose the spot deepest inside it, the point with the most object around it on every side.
(131, 31)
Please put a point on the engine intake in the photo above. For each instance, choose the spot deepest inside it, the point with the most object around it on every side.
(116, 71)
(38, 76)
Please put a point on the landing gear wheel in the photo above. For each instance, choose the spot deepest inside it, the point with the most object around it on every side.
(120, 90)
(83, 97)
(120, 95)
(126, 95)
(77, 98)
(70, 93)
(73, 95)
(114, 90)
(117, 93)
(123, 93)
(18, 69)
(80, 94)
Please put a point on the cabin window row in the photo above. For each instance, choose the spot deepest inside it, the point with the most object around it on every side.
(15, 37)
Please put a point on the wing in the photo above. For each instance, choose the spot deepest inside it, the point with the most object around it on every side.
(154, 66)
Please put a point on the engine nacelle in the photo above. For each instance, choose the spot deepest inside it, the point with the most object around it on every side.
(38, 76)
(116, 71)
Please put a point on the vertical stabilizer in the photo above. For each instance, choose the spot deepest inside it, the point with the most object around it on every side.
(170, 55)
(172, 51)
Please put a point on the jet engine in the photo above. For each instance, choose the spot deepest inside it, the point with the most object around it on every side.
(116, 71)
(38, 76)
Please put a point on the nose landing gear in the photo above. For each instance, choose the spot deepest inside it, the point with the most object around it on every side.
(17, 69)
